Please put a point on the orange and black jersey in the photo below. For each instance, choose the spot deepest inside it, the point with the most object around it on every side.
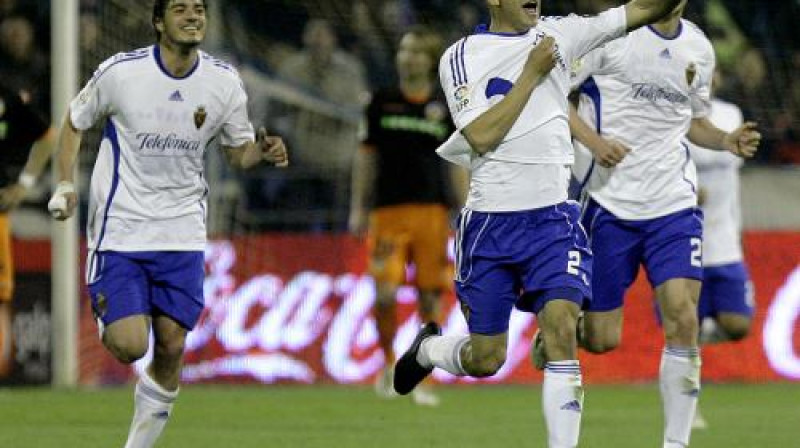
(405, 135)
(20, 127)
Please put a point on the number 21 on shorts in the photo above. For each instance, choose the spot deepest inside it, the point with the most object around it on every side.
(697, 252)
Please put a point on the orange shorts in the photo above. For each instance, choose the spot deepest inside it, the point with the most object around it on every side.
(413, 233)
(6, 260)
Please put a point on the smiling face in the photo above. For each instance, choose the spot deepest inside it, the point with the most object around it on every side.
(514, 15)
(183, 22)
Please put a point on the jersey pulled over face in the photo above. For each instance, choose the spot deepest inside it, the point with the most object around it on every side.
(643, 91)
(148, 190)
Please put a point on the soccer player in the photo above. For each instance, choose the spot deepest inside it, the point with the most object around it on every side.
(646, 92)
(519, 242)
(408, 215)
(23, 134)
(162, 106)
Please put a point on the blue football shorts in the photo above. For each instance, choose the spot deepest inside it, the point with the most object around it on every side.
(669, 247)
(726, 289)
(521, 258)
(123, 284)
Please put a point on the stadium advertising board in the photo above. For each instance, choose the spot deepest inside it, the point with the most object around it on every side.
(296, 309)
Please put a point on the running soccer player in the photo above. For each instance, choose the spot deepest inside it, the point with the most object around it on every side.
(519, 242)
(646, 92)
(162, 106)
(25, 139)
(406, 190)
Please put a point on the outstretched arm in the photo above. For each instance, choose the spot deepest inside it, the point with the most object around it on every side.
(743, 141)
(486, 132)
(642, 12)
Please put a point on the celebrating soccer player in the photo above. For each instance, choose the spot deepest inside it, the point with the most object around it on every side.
(646, 92)
(519, 242)
(162, 107)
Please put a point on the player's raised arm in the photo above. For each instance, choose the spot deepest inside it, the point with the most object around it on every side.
(642, 12)
(487, 131)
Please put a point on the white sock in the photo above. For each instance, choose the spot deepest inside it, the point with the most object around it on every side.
(680, 387)
(152, 408)
(562, 402)
(443, 352)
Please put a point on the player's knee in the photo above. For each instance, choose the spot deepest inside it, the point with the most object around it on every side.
(486, 365)
(736, 329)
(127, 349)
(170, 348)
(602, 343)
(600, 339)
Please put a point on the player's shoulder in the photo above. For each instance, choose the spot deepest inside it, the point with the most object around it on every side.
(697, 35)
(122, 59)
(219, 67)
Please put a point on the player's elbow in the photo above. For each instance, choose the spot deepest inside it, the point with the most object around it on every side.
(481, 142)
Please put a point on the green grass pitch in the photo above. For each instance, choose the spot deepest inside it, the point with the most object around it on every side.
(480, 416)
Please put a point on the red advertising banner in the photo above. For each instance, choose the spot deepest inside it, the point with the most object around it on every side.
(297, 308)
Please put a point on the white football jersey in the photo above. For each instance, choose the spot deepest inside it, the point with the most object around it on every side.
(148, 191)
(643, 91)
(477, 71)
(718, 175)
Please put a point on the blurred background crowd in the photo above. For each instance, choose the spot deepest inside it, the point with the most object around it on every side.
(310, 66)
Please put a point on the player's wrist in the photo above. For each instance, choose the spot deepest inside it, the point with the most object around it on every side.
(27, 180)
(64, 187)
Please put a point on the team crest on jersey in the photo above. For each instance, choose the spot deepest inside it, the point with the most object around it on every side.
(461, 96)
(200, 116)
(102, 305)
(691, 73)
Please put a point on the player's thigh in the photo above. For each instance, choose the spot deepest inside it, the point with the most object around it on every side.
(617, 249)
(128, 338)
(177, 287)
(673, 247)
(118, 287)
(169, 336)
(491, 348)
(6, 260)
(387, 245)
(430, 233)
(677, 300)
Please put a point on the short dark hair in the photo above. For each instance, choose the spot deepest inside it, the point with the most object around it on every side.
(432, 41)
(159, 9)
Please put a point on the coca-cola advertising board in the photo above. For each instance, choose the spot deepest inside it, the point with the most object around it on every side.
(295, 308)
